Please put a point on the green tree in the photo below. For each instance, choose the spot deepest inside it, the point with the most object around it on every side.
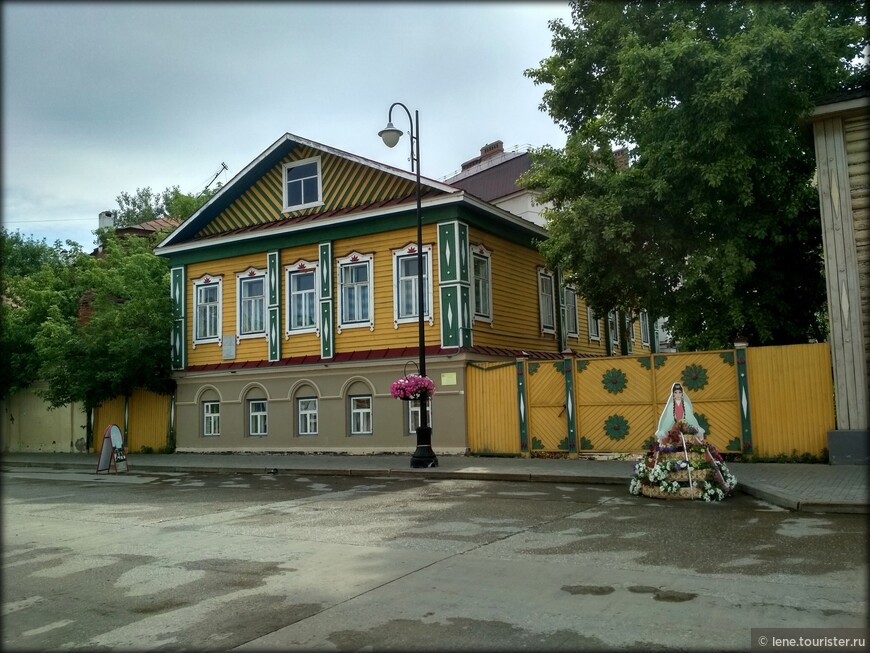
(714, 222)
(36, 276)
(120, 342)
(145, 205)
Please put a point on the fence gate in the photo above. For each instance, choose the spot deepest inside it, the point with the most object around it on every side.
(551, 406)
(619, 399)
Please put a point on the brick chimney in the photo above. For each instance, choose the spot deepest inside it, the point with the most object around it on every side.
(490, 150)
(621, 156)
(486, 152)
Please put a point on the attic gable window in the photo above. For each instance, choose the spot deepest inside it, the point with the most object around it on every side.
(302, 184)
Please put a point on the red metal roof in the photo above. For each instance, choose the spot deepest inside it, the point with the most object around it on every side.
(382, 354)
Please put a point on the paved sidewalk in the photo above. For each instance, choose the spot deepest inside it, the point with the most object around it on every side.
(804, 487)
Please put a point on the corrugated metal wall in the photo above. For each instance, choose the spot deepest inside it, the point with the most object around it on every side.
(791, 391)
(492, 408)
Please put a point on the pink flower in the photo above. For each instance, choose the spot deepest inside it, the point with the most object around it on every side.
(412, 386)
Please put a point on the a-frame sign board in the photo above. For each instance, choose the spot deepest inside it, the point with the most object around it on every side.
(112, 453)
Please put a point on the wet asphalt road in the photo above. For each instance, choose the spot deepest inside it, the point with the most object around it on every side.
(169, 561)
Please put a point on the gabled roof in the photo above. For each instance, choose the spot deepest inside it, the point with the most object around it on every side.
(193, 227)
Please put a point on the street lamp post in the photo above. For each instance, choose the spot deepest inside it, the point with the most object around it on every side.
(423, 455)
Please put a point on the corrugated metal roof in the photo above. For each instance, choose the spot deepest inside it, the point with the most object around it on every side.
(384, 354)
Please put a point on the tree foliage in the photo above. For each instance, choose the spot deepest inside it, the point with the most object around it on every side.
(145, 205)
(92, 328)
(36, 277)
(714, 223)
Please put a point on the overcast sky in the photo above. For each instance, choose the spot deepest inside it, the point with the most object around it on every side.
(102, 98)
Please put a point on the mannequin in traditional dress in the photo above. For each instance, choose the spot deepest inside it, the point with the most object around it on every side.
(678, 407)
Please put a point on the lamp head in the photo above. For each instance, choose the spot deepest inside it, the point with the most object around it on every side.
(390, 135)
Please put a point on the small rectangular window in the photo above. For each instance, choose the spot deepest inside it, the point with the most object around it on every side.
(414, 414)
(613, 325)
(571, 326)
(594, 325)
(482, 296)
(547, 301)
(252, 293)
(211, 418)
(302, 184)
(257, 417)
(644, 328)
(406, 283)
(207, 311)
(307, 409)
(354, 279)
(302, 300)
(361, 415)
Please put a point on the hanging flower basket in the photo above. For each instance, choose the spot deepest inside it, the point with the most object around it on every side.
(412, 387)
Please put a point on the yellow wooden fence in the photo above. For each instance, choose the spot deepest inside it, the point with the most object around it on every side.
(766, 401)
(146, 423)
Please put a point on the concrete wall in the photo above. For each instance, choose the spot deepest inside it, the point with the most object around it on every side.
(29, 425)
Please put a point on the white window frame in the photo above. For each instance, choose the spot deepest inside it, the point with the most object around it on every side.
(285, 195)
(594, 325)
(300, 267)
(547, 278)
(353, 259)
(304, 417)
(613, 325)
(644, 328)
(410, 251)
(480, 253)
(359, 412)
(414, 414)
(258, 422)
(207, 281)
(211, 419)
(570, 330)
(251, 274)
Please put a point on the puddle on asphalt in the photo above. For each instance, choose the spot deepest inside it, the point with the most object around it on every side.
(593, 590)
(670, 596)
(804, 527)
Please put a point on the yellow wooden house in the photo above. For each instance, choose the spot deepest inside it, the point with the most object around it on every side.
(295, 298)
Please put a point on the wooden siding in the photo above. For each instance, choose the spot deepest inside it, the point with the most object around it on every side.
(858, 157)
(515, 315)
(791, 393)
(385, 335)
(110, 412)
(148, 424)
(842, 169)
(546, 391)
(345, 184)
(246, 349)
(492, 408)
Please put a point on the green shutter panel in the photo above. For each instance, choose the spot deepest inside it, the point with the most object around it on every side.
(179, 322)
(274, 278)
(327, 315)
